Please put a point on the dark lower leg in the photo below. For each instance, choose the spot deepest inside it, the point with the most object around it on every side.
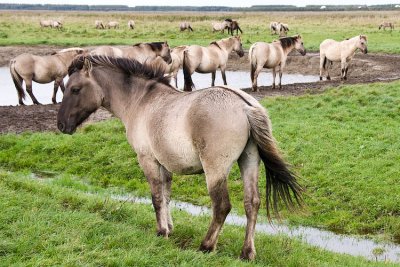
(29, 90)
(213, 78)
(224, 77)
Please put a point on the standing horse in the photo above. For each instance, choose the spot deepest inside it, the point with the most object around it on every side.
(28, 68)
(333, 51)
(284, 28)
(113, 24)
(272, 56)
(209, 59)
(185, 26)
(220, 26)
(131, 24)
(385, 25)
(235, 26)
(205, 131)
(273, 26)
(99, 24)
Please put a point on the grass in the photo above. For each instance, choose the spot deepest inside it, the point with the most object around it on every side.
(22, 28)
(343, 143)
(45, 224)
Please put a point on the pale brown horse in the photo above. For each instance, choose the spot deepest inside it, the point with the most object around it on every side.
(385, 25)
(208, 59)
(113, 24)
(99, 24)
(46, 23)
(185, 26)
(41, 69)
(334, 51)
(141, 51)
(272, 56)
(131, 24)
(204, 131)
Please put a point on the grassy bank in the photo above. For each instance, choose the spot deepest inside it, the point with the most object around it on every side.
(48, 224)
(343, 143)
(22, 28)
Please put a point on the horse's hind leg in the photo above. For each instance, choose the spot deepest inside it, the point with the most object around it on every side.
(249, 163)
(223, 76)
(254, 77)
(280, 77)
(273, 77)
(56, 85)
(62, 86)
(213, 78)
(28, 84)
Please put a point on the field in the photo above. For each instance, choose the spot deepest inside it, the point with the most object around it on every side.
(341, 138)
(23, 28)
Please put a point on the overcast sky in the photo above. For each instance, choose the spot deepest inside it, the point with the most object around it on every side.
(236, 3)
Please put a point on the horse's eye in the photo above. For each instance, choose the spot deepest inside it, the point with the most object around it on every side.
(75, 90)
(302, 43)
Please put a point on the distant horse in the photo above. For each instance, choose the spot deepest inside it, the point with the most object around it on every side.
(284, 28)
(272, 56)
(28, 68)
(273, 26)
(46, 23)
(234, 26)
(333, 51)
(209, 59)
(131, 24)
(205, 131)
(220, 26)
(57, 25)
(185, 26)
(113, 24)
(99, 24)
(141, 51)
(385, 25)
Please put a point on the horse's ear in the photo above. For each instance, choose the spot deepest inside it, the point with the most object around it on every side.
(87, 66)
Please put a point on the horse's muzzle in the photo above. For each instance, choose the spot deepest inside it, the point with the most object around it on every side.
(240, 53)
(303, 53)
(365, 51)
(64, 129)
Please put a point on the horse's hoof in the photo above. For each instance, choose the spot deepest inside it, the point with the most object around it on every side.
(328, 78)
(320, 78)
(206, 249)
(36, 103)
(163, 233)
(345, 78)
(248, 254)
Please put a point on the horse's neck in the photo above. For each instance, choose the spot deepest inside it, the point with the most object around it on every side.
(286, 50)
(351, 45)
(65, 58)
(226, 46)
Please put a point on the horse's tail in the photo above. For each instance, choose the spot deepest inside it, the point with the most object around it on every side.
(186, 73)
(17, 79)
(282, 184)
(253, 63)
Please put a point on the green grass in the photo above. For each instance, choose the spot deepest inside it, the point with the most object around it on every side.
(22, 28)
(45, 224)
(343, 143)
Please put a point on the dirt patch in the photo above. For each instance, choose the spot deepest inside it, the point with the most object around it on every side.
(363, 69)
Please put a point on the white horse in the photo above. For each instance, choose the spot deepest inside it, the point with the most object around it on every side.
(333, 51)
(272, 56)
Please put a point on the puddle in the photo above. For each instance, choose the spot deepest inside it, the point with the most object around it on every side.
(235, 79)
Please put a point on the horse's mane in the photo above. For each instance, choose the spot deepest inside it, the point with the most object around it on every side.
(124, 65)
(215, 43)
(287, 42)
(155, 46)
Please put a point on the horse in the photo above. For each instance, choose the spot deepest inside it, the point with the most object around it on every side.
(272, 56)
(99, 24)
(131, 24)
(209, 59)
(177, 62)
(334, 51)
(273, 26)
(284, 28)
(185, 26)
(234, 26)
(220, 26)
(45, 69)
(141, 51)
(204, 131)
(113, 24)
(58, 25)
(46, 23)
(385, 25)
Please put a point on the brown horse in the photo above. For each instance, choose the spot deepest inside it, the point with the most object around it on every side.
(209, 59)
(272, 56)
(28, 68)
(205, 131)
(234, 26)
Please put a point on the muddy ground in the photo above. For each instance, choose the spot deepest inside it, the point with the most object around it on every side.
(363, 69)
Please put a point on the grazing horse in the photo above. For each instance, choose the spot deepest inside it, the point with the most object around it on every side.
(234, 26)
(141, 51)
(99, 24)
(385, 25)
(284, 28)
(46, 23)
(28, 68)
(272, 56)
(220, 26)
(185, 26)
(131, 24)
(113, 24)
(204, 131)
(208, 59)
(333, 51)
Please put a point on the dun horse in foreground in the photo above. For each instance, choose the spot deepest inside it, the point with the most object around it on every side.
(209, 59)
(28, 68)
(203, 131)
(272, 56)
(333, 51)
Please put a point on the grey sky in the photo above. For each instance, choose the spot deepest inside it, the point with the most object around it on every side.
(236, 3)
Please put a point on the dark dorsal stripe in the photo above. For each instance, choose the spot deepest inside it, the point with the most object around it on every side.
(155, 46)
(215, 43)
(125, 65)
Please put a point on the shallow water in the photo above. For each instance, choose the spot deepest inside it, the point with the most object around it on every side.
(235, 79)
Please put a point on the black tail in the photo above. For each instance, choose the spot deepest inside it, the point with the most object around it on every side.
(17, 79)
(186, 73)
(325, 61)
(281, 181)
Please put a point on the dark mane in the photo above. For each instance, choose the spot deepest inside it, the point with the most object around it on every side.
(287, 42)
(155, 46)
(127, 66)
(215, 43)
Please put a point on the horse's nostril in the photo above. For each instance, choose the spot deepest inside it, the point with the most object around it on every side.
(61, 126)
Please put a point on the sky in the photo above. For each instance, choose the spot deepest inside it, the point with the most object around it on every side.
(233, 3)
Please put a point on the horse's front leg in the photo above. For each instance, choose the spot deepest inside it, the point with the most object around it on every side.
(213, 78)
(280, 76)
(273, 77)
(343, 69)
(62, 86)
(159, 180)
(56, 85)
(223, 75)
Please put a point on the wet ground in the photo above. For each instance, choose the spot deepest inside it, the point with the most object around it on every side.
(363, 69)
